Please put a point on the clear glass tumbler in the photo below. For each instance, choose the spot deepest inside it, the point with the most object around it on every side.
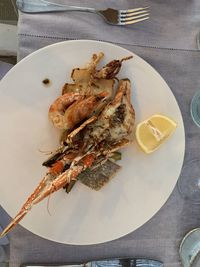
(189, 181)
(189, 250)
(195, 108)
(195, 103)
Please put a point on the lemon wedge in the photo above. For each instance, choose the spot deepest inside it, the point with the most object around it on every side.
(153, 132)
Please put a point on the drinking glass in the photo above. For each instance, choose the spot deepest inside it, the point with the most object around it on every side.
(189, 250)
(195, 108)
(189, 181)
(195, 103)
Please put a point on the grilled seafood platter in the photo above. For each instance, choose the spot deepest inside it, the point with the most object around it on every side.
(95, 118)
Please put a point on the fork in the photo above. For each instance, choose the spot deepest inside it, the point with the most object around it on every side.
(111, 16)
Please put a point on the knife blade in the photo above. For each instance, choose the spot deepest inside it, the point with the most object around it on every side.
(122, 262)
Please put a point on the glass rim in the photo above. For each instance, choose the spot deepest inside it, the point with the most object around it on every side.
(195, 202)
(183, 241)
(193, 108)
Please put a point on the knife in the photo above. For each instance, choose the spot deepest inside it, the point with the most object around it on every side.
(123, 262)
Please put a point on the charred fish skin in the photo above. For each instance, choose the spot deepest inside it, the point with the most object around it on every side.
(99, 176)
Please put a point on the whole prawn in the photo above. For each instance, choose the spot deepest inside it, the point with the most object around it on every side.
(71, 108)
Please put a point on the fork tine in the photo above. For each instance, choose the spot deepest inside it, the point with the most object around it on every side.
(141, 8)
(126, 11)
(134, 13)
(133, 21)
(125, 19)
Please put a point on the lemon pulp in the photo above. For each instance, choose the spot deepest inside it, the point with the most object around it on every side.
(153, 132)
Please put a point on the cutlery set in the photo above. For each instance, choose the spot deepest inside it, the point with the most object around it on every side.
(111, 16)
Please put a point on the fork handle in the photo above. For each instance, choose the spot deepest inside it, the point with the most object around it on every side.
(42, 6)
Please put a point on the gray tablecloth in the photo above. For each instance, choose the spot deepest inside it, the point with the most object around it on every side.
(167, 42)
(173, 25)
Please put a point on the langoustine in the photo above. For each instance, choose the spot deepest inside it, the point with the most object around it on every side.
(101, 135)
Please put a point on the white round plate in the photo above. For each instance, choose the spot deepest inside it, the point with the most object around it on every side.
(84, 216)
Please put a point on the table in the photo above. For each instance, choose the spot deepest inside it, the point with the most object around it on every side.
(168, 42)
